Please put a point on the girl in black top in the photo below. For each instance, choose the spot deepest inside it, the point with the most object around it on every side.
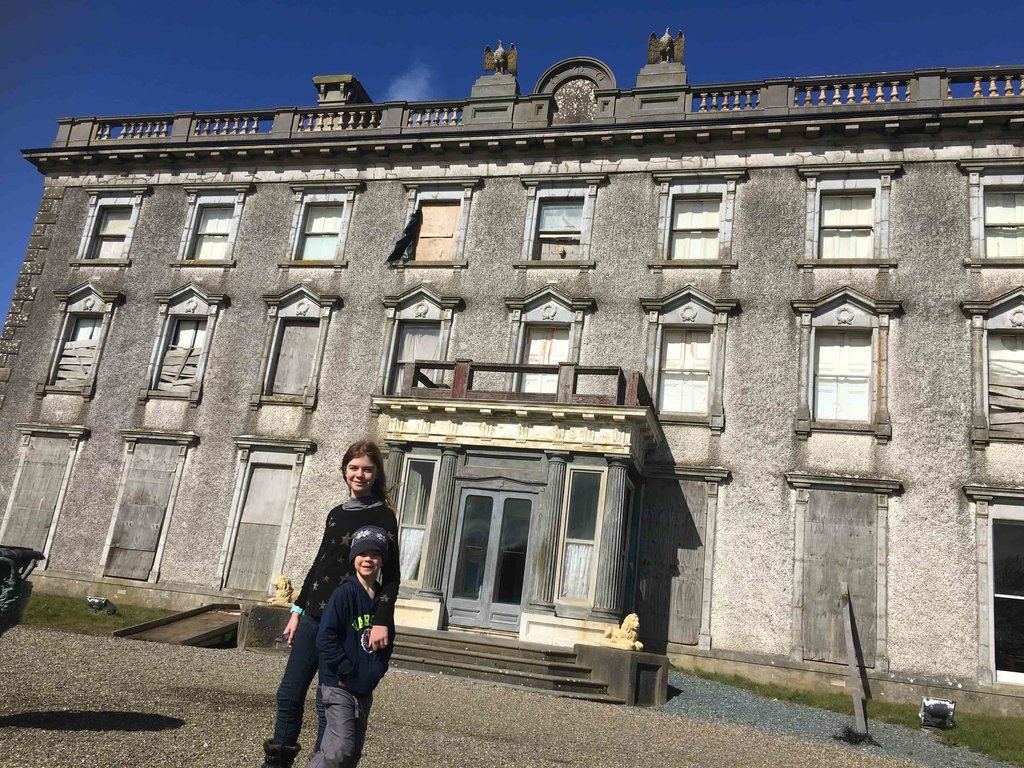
(363, 468)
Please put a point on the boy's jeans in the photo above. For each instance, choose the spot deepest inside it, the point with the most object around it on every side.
(347, 716)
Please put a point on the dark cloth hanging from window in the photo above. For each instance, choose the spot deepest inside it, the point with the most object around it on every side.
(406, 245)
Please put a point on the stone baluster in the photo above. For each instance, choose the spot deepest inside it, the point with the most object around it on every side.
(837, 96)
(440, 525)
(879, 96)
(549, 523)
(1008, 86)
(992, 90)
(608, 600)
(894, 95)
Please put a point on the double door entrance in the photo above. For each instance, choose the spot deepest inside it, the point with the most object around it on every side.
(489, 577)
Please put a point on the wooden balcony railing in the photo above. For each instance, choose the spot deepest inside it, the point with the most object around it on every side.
(433, 379)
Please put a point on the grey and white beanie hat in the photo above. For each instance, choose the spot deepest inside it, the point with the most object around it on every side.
(367, 539)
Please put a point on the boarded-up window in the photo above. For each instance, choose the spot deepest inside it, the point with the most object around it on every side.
(1006, 383)
(840, 545)
(111, 231)
(671, 584)
(847, 223)
(180, 365)
(143, 508)
(415, 341)
(695, 228)
(559, 228)
(580, 534)
(320, 233)
(1004, 225)
(437, 231)
(78, 352)
(211, 241)
(419, 485)
(685, 371)
(842, 374)
(544, 345)
(259, 528)
(296, 353)
(34, 499)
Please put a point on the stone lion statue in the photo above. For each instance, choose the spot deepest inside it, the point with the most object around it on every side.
(626, 635)
(283, 592)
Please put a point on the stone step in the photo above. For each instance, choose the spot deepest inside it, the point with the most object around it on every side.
(602, 698)
(508, 647)
(517, 678)
(490, 657)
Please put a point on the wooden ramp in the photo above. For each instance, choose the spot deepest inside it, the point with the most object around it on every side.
(210, 626)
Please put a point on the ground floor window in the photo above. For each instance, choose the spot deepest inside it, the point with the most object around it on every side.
(1008, 598)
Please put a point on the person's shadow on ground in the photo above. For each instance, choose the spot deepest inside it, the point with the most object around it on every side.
(79, 720)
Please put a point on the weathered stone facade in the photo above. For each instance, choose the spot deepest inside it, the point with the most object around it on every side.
(728, 525)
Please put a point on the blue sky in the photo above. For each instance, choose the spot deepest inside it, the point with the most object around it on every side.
(60, 59)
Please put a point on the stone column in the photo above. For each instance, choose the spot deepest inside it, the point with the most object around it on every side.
(608, 600)
(545, 545)
(394, 454)
(440, 524)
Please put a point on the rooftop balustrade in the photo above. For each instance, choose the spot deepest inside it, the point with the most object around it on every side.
(796, 97)
(506, 382)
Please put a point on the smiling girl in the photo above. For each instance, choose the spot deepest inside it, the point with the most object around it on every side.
(363, 469)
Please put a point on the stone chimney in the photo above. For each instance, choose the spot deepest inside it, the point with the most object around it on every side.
(335, 90)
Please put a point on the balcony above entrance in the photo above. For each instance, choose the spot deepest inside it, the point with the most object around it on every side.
(588, 409)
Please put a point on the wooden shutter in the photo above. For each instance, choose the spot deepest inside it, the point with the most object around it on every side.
(180, 365)
(140, 517)
(671, 575)
(1006, 383)
(840, 542)
(259, 527)
(296, 352)
(35, 498)
(78, 354)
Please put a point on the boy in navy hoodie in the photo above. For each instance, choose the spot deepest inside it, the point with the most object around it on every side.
(349, 670)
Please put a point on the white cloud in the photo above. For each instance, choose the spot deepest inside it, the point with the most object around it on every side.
(413, 85)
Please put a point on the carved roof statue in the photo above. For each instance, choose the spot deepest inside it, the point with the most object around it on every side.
(665, 48)
(501, 61)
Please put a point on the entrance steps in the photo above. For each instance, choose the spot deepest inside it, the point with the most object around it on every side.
(499, 660)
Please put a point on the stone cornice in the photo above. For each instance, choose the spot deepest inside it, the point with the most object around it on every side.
(875, 484)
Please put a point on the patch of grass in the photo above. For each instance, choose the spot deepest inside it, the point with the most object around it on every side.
(1001, 738)
(73, 614)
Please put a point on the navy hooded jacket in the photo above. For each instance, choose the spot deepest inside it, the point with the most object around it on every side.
(344, 640)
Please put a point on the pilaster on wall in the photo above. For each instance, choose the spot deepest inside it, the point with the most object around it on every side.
(24, 290)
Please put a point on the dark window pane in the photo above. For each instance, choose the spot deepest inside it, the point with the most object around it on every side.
(583, 496)
(1009, 632)
(515, 532)
(1008, 557)
(476, 530)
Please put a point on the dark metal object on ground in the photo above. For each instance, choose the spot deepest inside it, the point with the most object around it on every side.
(937, 713)
(101, 604)
(16, 563)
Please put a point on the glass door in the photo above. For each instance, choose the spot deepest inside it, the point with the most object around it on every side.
(489, 581)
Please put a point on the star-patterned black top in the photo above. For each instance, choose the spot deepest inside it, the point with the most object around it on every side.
(331, 564)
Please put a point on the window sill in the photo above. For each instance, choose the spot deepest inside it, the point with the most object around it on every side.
(413, 264)
(976, 265)
(881, 431)
(192, 397)
(116, 263)
(256, 401)
(725, 265)
(582, 265)
(84, 391)
(206, 263)
(882, 265)
(300, 264)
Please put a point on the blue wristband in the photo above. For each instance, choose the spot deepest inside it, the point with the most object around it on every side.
(296, 609)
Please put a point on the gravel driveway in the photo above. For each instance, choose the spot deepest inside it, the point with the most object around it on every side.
(73, 700)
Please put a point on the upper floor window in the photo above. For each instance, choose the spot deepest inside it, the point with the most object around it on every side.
(996, 200)
(844, 360)
(320, 224)
(559, 221)
(109, 226)
(847, 215)
(85, 321)
(696, 220)
(211, 226)
(444, 206)
(997, 328)
(686, 356)
(547, 329)
(294, 347)
(417, 326)
(183, 344)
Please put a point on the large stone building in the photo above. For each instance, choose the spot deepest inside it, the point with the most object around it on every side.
(702, 352)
